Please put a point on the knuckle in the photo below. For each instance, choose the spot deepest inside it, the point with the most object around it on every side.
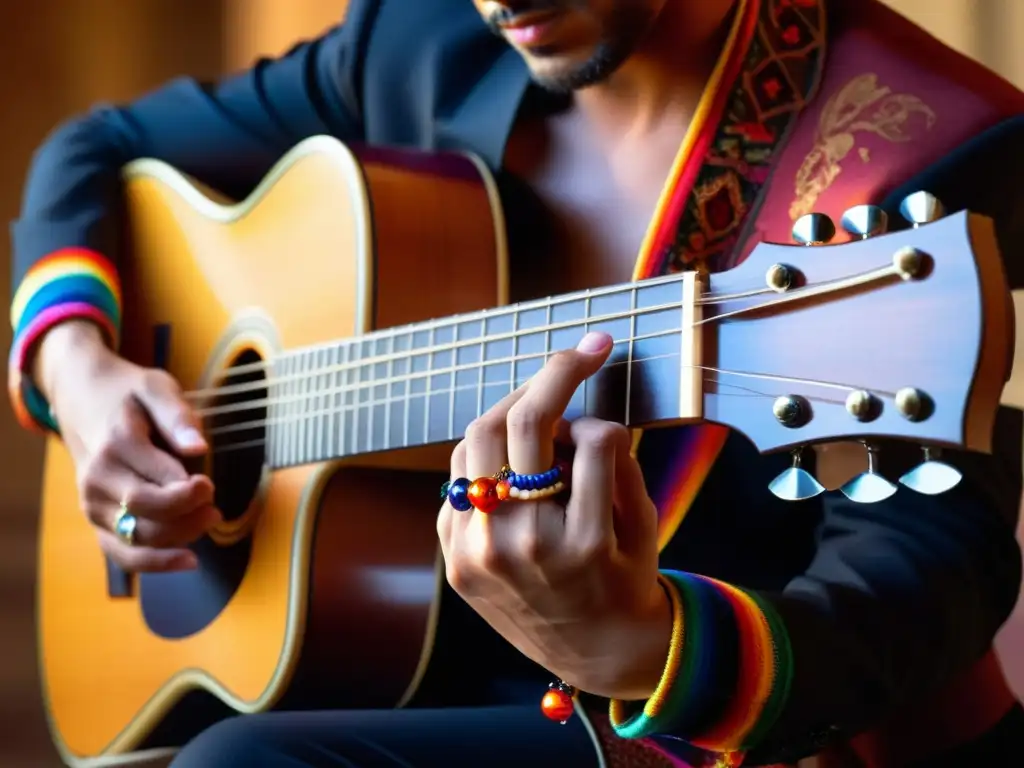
(481, 431)
(589, 554)
(532, 548)
(94, 514)
(458, 459)
(525, 420)
(562, 362)
(606, 435)
(457, 577)
(443, 526)
(89, 475)
(159, 383)
(490, 558)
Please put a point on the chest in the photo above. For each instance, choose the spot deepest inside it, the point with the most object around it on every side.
(592, 201)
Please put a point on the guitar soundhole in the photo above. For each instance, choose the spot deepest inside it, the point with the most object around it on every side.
(237, 433)
(177, 605)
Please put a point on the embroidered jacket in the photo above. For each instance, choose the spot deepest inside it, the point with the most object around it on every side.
(817, 619)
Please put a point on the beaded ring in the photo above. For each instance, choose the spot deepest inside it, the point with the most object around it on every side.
(486, 493)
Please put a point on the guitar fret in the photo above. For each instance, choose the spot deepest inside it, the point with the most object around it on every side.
(403, 343)
(349, 401)
(427, 398)
(341, 382)
(299, 404)
(629, 355)
(290, 410)
(586, 329)
(365, 391)
(478, 409)
(334, 441)
(452, 389)
(387, 392)
(313, 389)
(371, 395)
(321, 385)
(273, 427)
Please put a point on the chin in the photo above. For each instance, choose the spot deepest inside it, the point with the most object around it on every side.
(562, 73)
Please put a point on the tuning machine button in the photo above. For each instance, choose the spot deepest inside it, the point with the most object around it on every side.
(932, 477)
(791, 411)
(862, 405)
(909, 262)
(913, 404)
(813, 229)
(795, 483)
(780, 277)
(921, 208)
(865, 221)
(870, 486)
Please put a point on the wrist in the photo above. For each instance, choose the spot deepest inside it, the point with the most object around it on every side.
(638, 650)
(650, 639)
(75, 343)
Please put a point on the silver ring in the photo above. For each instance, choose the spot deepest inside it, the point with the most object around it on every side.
(125, 524)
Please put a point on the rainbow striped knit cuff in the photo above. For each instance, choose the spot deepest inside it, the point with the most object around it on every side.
(728, 673)
(72, 283)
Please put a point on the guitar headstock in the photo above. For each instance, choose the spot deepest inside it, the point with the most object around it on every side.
(904, 335)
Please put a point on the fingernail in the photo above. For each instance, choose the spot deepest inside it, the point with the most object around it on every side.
(593, 343)
(188, 437)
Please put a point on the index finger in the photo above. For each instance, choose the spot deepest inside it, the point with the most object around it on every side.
(532, 421)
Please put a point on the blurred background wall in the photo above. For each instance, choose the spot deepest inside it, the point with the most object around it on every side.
(59, 56)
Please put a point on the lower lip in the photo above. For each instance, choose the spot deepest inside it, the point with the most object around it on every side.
(534, 34)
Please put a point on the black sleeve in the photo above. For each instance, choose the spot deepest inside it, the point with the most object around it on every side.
(903, 595)
(227, 135)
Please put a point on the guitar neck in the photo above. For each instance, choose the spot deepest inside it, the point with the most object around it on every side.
(420, 384)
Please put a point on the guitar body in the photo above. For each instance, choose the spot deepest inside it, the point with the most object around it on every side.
(322, 587)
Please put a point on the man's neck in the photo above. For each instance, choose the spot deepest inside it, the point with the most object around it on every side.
(667, 75)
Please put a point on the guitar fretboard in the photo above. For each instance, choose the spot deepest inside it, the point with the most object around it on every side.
(424, 383)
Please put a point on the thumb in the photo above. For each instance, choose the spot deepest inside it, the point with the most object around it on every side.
(173, 418)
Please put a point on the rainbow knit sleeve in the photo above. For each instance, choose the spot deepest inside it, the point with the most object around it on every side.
(72, 283)
(728, 673)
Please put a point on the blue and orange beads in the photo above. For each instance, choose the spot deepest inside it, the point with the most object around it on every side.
(464, 494)
(486, 493)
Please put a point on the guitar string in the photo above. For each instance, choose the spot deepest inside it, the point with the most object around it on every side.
(294, 421)
(354, 387)
(481, 316)
(363, 363)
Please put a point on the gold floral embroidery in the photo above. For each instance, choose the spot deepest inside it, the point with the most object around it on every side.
(861, 106)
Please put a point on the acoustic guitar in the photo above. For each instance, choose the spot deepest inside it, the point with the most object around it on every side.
(298, 322)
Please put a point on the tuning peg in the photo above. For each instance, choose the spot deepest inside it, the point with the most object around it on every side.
(931, 476)
(921, 207)
(795, 483)
(814, 229)
(865, 221)
(869, 487)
